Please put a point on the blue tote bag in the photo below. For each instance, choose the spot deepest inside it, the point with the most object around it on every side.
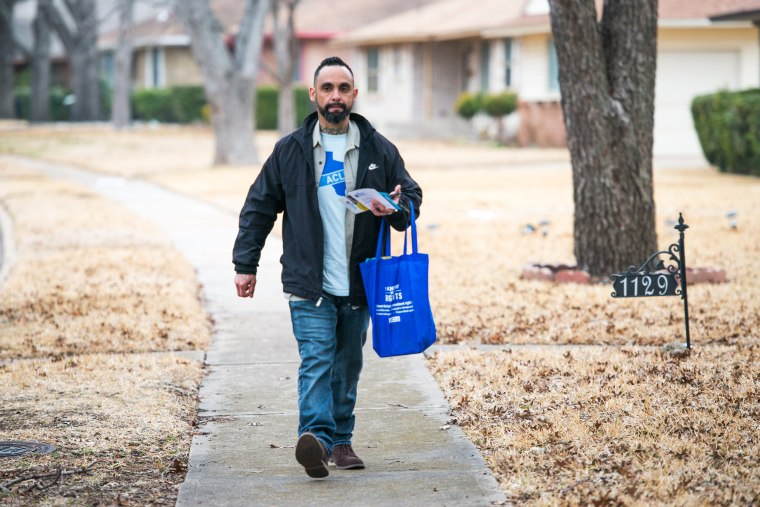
(397, 295)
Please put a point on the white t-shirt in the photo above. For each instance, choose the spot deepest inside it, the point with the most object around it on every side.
(332, 186)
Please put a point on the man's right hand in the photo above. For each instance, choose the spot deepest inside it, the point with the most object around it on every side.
(245, 285)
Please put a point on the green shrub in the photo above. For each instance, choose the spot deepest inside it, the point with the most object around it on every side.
(154, 104)
(268, 100)
(58, 110)
(266, 107)
(468, 104)
(188, 102)
(499, 104)
(304, 105)
(176, 104)
(728, 127)
(106, 100)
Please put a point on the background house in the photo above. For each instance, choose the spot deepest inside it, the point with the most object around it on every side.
(417, 63)
(162, 55)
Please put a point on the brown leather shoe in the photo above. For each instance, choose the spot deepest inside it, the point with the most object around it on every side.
(345, 458)
(312, 455)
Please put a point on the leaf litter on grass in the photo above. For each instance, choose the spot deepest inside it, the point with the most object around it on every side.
(92, 291)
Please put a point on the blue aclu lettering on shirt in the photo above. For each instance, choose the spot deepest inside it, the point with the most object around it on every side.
(333, 175)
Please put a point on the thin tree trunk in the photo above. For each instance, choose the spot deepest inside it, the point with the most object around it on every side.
(285, 47)
(121, 110)
(606, 74)
(40, 99)
(232, 115)
(81, 46)
(88, 31)
(7, 52)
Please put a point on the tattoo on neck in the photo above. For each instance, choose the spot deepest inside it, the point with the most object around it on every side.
(334, 131)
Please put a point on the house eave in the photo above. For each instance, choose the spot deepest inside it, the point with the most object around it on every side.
(517, 31)
(543, 28)
(404, 39)
(143, 42)
(701, 23)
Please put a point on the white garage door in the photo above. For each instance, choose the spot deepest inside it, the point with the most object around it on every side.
(682, 75)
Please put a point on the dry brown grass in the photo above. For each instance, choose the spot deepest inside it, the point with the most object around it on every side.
(599, 426)
(129, 414)
(608, 426)
(491, 194)
(92, 285)
(91, 277)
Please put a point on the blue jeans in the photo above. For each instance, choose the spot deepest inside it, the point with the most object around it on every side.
(330, 340)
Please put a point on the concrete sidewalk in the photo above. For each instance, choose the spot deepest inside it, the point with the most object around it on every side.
(243, 453)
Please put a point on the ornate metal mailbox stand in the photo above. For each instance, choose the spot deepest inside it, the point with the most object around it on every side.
(658, 276)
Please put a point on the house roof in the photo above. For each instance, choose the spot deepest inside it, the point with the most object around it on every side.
(442, 20)
(314, 19)
(453, 19)
(703, 9)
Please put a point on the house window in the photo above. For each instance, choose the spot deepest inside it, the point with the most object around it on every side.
(155, 68)
(508, 62)
(553, 67)
(107, 69)
(485, 60)
(373, 71)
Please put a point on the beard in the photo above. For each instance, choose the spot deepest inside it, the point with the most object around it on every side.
(334, 117)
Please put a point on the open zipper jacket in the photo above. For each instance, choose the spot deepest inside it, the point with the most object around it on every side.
(287, 184)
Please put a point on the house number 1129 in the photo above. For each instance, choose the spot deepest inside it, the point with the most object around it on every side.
(646, 285)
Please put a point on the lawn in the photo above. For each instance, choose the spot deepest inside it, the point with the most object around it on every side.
(626, 423)
(95, 315)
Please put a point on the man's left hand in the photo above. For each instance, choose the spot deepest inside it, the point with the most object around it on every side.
(379, 210)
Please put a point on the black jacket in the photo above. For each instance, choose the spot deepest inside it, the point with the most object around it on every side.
(287, 184)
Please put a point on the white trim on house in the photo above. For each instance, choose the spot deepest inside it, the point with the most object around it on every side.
(701, 23)
(517, 31)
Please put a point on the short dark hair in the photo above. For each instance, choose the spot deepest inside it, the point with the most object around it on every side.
(329, 62)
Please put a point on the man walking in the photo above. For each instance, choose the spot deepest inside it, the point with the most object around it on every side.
(335, 151)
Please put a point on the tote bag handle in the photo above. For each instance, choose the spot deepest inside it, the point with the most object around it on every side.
(380, 251)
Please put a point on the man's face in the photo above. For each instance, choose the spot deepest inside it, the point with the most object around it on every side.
(334, 93)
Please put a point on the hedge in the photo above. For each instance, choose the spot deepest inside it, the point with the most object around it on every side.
(268, 100)
(185, 104)
(728, 126)
(58, 111)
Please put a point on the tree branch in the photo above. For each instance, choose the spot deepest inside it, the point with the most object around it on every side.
(55, 475)
(6, 20)
(250, 38)
(72, 7)
(56, 21)
(6, 9)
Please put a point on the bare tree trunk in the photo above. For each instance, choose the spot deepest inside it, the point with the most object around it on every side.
(607, 77)
(228, 75)
(7, 52)
(40, 99)
(285, 47)
(80, 42)
(122, 86)
(230, 117)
